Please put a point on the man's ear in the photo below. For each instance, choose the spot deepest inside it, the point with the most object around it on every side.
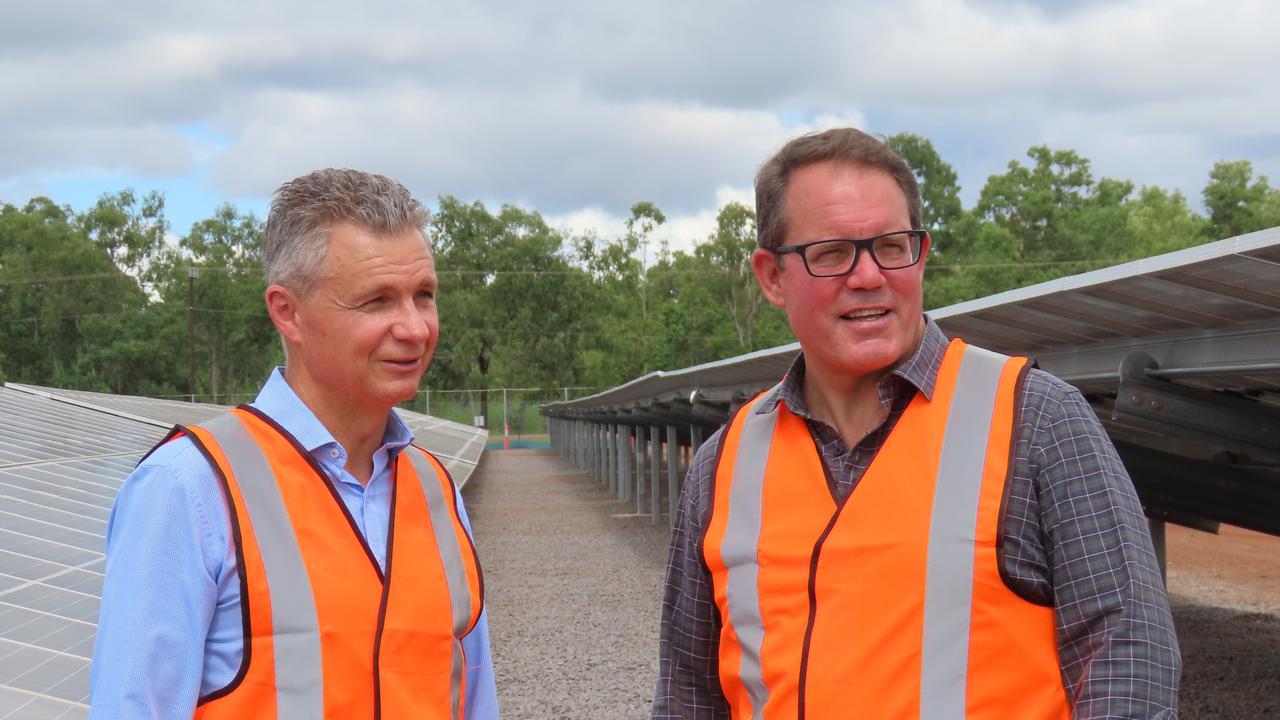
(282, 306)
(769, 276)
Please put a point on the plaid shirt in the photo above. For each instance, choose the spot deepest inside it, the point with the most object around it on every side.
(1074, 537)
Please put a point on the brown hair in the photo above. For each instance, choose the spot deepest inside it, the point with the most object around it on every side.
(841, 145)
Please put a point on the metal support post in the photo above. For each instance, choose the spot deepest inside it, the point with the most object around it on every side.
(602, 474)
(1158, 544)
(695, 442)
(655, 466)
(640, 449)
(624, 463)
(602, 463)
(673, 472)
(597, 462)
(612, 433)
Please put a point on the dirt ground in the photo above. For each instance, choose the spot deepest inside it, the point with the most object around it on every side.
(1225, 592)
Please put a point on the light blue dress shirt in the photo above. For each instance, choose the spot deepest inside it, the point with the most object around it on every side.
(169, 629)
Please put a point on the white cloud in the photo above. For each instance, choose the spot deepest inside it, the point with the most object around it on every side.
(584, 107)
(679, 233)
(555, 150)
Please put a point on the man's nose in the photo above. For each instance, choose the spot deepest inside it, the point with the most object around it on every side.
(866, 274)
(411, 323)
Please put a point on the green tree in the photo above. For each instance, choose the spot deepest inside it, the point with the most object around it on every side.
(219, 263)
(728, 250)
(620, 319)
(645, 219)
(983, 257)
(53, 280)
(1237, 202)
(939, 184)
(1161, 221)
(510, 302)
(129, 227)
(1031, 202)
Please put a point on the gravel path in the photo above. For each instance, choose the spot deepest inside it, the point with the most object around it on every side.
(572, 591)
(573, 588)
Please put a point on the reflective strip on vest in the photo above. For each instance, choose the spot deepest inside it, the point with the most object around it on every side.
(741, 539)
(298, 675)
(948, 596)
(455, 574)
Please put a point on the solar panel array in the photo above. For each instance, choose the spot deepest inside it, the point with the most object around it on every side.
(60, 468)
(63, 457)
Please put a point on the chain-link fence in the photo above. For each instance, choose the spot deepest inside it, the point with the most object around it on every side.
(509, 414)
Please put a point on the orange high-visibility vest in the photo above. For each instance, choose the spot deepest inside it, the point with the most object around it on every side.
(327, 633)
(890, 605)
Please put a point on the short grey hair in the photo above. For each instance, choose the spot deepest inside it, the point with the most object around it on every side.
(840, 145)
(303, 210)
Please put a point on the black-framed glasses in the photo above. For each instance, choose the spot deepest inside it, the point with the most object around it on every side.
(832, 258)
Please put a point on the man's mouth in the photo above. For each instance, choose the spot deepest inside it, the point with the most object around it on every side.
(868, 314)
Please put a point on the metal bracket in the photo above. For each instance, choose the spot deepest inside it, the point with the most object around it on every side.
(1213, 418)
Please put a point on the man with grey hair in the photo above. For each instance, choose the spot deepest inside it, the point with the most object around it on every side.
(298, 556)
(905, 526)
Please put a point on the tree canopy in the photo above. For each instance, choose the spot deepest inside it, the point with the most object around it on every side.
(109, 299)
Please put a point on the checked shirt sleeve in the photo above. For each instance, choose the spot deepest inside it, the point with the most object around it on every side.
(688, 646)
(1116, 640)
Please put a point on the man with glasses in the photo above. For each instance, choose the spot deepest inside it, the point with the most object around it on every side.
(905, 525)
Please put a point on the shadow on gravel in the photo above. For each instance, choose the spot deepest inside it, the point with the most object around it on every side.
(1230, 662)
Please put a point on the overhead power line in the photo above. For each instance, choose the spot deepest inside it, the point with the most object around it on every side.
(466, 273)
(445, 329)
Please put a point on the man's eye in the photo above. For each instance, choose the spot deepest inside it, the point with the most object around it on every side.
(831, 254)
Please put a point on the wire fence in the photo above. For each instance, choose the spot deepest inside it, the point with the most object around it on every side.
(511, 415)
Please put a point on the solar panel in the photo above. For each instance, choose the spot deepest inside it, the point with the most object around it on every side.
(60, 468)
(159, 411)
(457, 446)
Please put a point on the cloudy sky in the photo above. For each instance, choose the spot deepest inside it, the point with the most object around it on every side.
(580, 109)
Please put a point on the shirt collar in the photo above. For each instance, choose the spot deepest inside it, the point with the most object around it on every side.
(279, 402)
(920, 371)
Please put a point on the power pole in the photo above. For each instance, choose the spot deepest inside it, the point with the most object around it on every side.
(191, 332)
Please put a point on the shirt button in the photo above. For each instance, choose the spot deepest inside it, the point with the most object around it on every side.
(334, 453)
